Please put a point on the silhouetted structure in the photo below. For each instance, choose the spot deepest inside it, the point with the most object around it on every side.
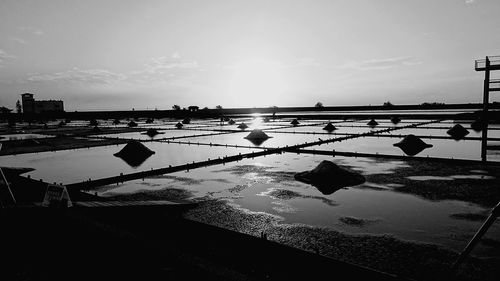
(490, 85)
(31, 106)
(179, 125)
(295, 122)
(193, 108)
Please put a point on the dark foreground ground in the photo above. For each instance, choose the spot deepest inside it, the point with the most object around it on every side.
(149, 244)
(154, 243)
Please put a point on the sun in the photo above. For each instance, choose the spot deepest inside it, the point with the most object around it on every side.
(257, 82)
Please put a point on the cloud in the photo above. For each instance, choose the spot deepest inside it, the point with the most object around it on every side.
(163, 69)
(161, 64)
(5, 56)
(18, 40)
(90, 76)
(308, 62)
(381, 64)
(32, 30)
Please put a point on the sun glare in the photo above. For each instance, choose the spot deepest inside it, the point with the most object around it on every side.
(257, 82)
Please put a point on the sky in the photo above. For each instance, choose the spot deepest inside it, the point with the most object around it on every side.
(124, 54)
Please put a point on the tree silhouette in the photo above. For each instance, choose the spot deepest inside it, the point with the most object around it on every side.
(319, 104)
(219, 108)
(176, 107)
(18, 107)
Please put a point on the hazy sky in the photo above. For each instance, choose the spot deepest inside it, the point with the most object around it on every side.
(153, 54)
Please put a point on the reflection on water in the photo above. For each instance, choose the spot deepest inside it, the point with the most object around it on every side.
(69, 166)
(267, 185)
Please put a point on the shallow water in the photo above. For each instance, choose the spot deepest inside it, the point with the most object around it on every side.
(267, 185)
(70, 166)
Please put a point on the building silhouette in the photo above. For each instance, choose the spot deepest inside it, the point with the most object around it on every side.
(30, 105)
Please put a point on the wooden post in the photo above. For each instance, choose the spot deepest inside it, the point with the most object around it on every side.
(486, 94)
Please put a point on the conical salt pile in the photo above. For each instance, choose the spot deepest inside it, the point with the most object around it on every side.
(93, 122)
(257, 137)
(412, 145)
(372, 123)
(179, 125)
(395, 120)
(116, 121)
(242, 126)
(295, 122)
(477, 125)
(152, 132)
(149, 120)
(132, 124)
(458, 132)
(231, 122)
(257, 134)
(328, 177)
(134, 153)
(186, 121)
(329, 127)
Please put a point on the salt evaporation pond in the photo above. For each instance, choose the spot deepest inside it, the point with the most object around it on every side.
(164, 134)
(319, 129)
(443, 148)
(267, 185)
(277, 140)
(70, 166)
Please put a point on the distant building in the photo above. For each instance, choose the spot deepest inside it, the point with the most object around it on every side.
(193, 108)
(30, 105)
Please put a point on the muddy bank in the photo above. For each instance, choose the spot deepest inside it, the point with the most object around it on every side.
(385, 253)
(474, 183)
